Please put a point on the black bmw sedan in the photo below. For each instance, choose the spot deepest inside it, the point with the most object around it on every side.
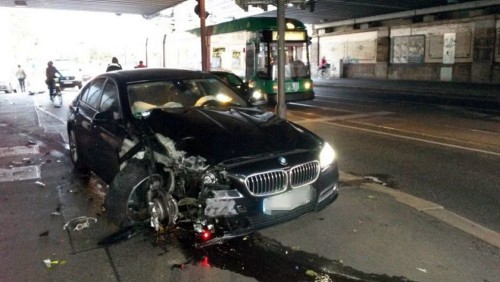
(179, 146)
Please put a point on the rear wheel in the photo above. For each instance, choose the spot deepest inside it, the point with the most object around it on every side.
(74, 152)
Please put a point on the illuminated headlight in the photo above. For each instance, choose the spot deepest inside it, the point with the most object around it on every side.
(257, 95)
(251, 83)
(223, 98)
(275, 87)
(327, 155)
(307, 85)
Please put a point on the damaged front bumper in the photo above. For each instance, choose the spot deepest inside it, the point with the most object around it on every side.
(243, 214)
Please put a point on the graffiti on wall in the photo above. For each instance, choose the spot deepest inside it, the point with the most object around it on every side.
(408, 49)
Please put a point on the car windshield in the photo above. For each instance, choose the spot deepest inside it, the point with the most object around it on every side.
(145, 96)
(230, 79)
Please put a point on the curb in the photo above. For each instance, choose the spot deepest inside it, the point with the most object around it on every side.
(437, 211)
(426, 92)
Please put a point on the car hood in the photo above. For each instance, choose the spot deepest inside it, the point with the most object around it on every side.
(230, 133)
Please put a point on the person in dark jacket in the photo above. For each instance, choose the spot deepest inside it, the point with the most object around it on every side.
(50, 74)
(114, 65)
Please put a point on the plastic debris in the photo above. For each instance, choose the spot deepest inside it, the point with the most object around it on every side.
(422, 269)
(311, 273)
(79, 223)
(55, 213)
(375, 180)
(49, 263)
(39, 183)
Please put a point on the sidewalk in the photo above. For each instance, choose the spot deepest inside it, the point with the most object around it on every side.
(370, 227)
(477, 91)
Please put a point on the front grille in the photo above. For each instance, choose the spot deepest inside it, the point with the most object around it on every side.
(267, 183)
(304, 174)
(276, 181)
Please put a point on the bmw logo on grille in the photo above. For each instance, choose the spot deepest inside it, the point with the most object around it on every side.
(282, 161)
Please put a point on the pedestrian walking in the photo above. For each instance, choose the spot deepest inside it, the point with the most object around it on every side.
(323, 65)
(115, 65)
(21, 77)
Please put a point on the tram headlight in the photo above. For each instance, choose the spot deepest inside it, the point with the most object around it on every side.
(308, 85)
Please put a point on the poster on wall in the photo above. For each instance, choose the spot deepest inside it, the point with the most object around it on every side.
(408, 49)
(449, 44)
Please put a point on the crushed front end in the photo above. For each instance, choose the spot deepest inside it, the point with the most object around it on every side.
(253, 194)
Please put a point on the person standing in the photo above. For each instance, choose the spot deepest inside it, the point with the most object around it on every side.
(114, 65)
(21, 76)
(323, 65)
(140, 65)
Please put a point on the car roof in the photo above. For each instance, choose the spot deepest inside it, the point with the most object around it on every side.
(154, 74)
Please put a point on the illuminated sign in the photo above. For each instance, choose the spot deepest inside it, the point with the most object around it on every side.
(291, 35)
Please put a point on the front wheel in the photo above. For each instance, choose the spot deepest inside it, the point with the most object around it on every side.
(58, 100)
(126, 201)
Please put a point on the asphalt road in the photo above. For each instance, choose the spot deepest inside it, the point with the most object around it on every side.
(365, 235)
(438, 150)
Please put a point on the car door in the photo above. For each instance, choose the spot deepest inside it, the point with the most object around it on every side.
(87, 108)
(108, 131)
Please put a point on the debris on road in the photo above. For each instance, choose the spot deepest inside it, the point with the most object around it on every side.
(39, 183)
(375, 180)
(79, 223)
(44, 234)
(49, 263)
(422, 269)
(122, 235)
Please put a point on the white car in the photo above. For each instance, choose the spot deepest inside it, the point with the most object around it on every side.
(6, 86)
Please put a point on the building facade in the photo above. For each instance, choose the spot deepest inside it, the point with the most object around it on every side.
(433, 45)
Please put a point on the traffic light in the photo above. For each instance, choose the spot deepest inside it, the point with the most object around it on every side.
(197, 10)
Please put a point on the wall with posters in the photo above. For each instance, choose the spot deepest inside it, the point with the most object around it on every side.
(462, 49)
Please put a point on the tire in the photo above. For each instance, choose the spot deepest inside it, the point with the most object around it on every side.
(74, 153)
(126, 199)
(58, 100)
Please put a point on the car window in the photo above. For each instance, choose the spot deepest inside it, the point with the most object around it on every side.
(233, 80)
(85, 93)
(145, 96)
(94, 94)
(109, 100)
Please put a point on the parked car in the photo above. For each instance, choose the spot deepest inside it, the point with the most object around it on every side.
(241, 86)
(6, 86)
(181, 147)
(70, 78)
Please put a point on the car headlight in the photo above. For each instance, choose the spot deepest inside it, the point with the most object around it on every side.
(257, 94)
(327, 155)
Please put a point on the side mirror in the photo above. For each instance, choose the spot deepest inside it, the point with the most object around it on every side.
(103, 118)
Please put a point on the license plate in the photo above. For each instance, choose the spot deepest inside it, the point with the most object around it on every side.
(66, 82)
(289, 200)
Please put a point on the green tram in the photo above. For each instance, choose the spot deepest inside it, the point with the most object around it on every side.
(248, 47)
